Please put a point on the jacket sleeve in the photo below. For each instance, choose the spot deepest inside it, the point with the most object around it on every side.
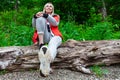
(54, 21)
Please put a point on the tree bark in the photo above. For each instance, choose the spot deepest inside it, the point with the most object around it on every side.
(74, 55)
(103, 9)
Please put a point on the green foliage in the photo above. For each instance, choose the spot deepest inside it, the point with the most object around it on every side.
(113, 9)
(10, 4)
(99, 31)
(18, 31)
(2, 72)
(93, 17)
(15, 30)
(16, 35)
(23, 17)
(79, 10)
(15, 26)
(116, 35)
(6, 17)
(6, 5)
(98, 71)
(71, 31)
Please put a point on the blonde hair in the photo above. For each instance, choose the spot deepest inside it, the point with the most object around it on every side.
(52, 7)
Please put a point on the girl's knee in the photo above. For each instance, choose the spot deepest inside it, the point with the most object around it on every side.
(40, 19)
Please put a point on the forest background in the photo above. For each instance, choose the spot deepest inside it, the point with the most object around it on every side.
(80, 20)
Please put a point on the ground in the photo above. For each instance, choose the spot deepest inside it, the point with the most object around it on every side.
(64, 74)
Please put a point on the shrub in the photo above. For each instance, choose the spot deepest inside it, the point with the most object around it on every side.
(100, 31)
(71, 31)
(16, 35)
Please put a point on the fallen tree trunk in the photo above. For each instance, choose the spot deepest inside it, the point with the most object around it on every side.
(75, 55)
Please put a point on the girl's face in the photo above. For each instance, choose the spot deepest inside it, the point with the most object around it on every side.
(48, 8)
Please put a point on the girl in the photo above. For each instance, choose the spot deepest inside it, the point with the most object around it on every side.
(46, 23)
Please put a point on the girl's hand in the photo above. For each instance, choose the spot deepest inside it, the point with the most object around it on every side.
(39, 14)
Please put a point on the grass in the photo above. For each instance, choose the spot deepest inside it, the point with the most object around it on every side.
(98, 71)
(16, 35)
(2, 72)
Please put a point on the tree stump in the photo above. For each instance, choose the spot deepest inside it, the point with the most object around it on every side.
(74, 55)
